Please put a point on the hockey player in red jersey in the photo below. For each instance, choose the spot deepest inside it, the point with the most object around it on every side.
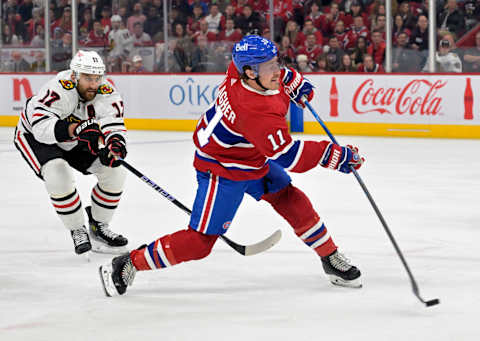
(60, 129)
(243, 145)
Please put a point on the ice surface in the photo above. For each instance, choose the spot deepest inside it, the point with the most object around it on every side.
(427, 189)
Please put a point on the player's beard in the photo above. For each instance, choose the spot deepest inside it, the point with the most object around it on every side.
(87, 94)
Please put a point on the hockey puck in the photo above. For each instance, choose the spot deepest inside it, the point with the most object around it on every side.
(432, 302)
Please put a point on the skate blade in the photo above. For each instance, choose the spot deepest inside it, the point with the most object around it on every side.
(99, 247)
(106, 279)
(356, 283)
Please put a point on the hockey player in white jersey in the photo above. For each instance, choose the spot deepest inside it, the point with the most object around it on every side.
(60, 129)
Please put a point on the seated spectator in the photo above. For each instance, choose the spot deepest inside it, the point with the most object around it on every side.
(303, 64)
(140, 38)
(65, 21)
(405, 12)
(293, 32)
(346, 65)
(249, 20)
(193, 23)
(136, 17)
(369, 65)
(17, 28)
(308, 28)
(87, 20)
(203, 5)
(445, 59)
(316, 16)
(471, 57)
(282, 13)
(404, 59)
(18, 63)
(154, 22)
(285, 50)
(183, 52)
(451, 19)
(419, 37)
(321, 63)
(62, 53)
(399, 27)
(39, 64)
(472, 14)
(105, 20)
(331, 18)
(8, 38)
(311, 48)
(120, 43)
(356, 10)
(229, 13)
(25, 10)
(230, 33)
(341, 34)
(380, 25)
(203, 32)
(170, 64)
(214, 19)
(357, 30)
(377, 47)
(32, 24)
(137, 67)
(260, 6)
(82, 36)
(96, 37)
(202, 57)
(333, 53)
(359, 51)
(38, 40)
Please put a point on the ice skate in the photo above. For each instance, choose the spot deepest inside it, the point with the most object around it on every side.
(80, 240)
(117, 275)
(103, 239)
(340, 271)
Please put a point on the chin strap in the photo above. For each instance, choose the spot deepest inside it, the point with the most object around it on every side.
(260, 84)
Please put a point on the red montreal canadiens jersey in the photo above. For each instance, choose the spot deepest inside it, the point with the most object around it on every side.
(244, 129)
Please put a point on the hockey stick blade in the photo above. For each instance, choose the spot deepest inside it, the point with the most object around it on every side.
(253, 249)
(245, 250)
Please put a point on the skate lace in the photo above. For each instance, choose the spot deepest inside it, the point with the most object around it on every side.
(79, 236)
(106, 231)
(340, 262)
(128, 273)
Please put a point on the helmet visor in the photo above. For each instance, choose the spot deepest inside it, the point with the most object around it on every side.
(269, 67)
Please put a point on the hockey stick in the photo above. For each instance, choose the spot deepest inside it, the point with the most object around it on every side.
(415, 289)
(246, 250)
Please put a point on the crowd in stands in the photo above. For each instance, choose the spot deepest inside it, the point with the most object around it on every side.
(311, 35)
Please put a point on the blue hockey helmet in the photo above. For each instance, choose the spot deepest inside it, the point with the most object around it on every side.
(251, 51)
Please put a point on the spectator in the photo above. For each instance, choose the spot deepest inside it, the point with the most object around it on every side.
(202, 5)
(136, 17)
(357, 10)
(369, 65)
(303, 64)
(154, 22)
(333, 53)
(445, 59)
(38, 39)
(31, 25)
(380, 25)
(137, 64)
(82, 36)
(316, 16)
(39, 63)
(229, 13)
(286, 51)
(292, 32)
(308, 28)
(341, 34)
(140, 38)
(230, 33)
(8, 38)
(321, 63)
(359, 51)
(87, 20)
(105, 20)
(472, 56)
(404, 59)
(120, 43)
(96, 37)
(346, 65)
(330, 20)
(419, 37)
(249, 20)
(171, 61)
(311, 48)
(194, 21)
(405, 12)
(215, 19)
(357, 30)
(15, 23)
(18, 63)
(62, 53)
(183, 54)
(377, 47)
(203, 32)
(399, 27)
(202, 58)
(451, 19)
(472, 14)
(25, 10)
(282, 13)
(65, 21)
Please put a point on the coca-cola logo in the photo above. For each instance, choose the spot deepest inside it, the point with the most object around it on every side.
(419, 96)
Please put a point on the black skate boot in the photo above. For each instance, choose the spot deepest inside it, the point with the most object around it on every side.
(117, 275)
(81, 240)
(100, 232)
(340, 272)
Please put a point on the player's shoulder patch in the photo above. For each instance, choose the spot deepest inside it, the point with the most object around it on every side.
(105, 89)
(66, 84)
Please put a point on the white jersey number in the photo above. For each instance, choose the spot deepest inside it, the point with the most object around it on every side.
(275, 146)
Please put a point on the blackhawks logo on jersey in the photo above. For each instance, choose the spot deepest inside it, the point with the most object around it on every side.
(72, 119)
(105, 89)
(66, 84)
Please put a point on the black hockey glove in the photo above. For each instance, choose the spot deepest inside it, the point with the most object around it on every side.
(115, 147)
(88, 135)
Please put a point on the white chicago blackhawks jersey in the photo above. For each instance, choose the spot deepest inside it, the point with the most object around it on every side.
(58, 99)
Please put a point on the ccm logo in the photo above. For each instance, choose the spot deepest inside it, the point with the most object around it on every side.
(243, 47)
(335, 159)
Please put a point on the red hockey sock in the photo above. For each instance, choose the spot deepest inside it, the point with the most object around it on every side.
(295, 207)
(172, 249)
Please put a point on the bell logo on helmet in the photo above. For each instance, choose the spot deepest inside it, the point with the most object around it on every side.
(243, 47)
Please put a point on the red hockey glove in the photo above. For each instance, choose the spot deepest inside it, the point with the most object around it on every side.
(296, 86)
(115, 147)
(341, 158)
(88, 135)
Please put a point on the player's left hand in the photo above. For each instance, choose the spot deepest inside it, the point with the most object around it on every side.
(115, 147)
(342, 158)
(296, 86)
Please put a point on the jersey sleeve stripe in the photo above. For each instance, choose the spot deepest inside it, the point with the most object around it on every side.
(297, 156)
(228, 165)
(40, 120)
(43, 109)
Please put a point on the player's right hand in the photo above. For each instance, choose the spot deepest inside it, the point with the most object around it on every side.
(341, 158)
(88, 135)
(296, 86)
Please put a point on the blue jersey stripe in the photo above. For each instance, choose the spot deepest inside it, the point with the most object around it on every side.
(223, 134)
(218, 163)
(286, 160)
(151, 251)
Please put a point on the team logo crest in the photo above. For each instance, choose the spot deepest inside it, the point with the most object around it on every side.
(66, 84)
(105, 89)
(226, 225)
(72, 119)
